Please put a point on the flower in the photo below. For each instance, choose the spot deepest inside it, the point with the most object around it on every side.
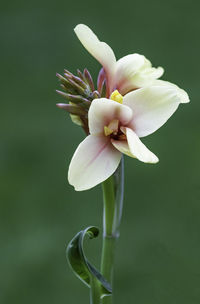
(115, 126)
(136, 105)
(128, 73)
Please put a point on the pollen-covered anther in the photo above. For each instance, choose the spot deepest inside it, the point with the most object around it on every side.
(112, 128)
(116, 96)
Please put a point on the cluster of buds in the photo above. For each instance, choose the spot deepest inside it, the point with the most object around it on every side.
(80, 92)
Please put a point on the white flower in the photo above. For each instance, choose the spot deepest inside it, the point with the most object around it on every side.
(128, 73)
(115, 126)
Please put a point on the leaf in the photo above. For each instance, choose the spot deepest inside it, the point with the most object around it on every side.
(79, 263)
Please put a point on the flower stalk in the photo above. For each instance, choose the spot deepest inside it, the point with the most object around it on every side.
(113, 192)
(95, 292)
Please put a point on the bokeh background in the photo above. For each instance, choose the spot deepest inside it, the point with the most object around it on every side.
(158, 253)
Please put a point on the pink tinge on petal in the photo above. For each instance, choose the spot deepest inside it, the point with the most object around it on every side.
(102, 146)
(101, 79)
(94, 161)
(126, 86)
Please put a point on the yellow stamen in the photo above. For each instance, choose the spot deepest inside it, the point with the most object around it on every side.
(107, 131)
(112, 127)
(116, 96)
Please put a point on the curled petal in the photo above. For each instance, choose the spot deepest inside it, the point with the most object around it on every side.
(152, 107)
(134, 147)
(147, 76)
(98, 49)
(94, 161)
(135, 71)
(102, 111)
(184, 98)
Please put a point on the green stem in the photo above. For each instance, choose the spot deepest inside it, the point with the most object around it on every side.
(113, 201)
(107, 263)
(95, 291)
(109, 206)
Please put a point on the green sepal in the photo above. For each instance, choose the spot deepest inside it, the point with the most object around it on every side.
(82, 268)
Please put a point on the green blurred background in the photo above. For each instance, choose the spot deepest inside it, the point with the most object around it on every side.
(158, 253)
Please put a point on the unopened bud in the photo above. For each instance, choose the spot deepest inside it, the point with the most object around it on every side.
(72, 109)
(95, 95)
(89, 79)
(77, 87)
(80, 74)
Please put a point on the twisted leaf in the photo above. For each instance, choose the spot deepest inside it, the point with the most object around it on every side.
(79, 263)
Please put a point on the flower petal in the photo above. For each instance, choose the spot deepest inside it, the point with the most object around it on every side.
(152, 107)
(126, 69)
(134, 147)
(135, 71)
(146, 77)
(98, 49)
(122, 146)
(182, 94)
(94, 161)
(102, 111)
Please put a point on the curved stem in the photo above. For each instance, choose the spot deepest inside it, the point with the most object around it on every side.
(113, 192)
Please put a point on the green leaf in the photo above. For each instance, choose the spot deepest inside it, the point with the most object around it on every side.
(82, 268)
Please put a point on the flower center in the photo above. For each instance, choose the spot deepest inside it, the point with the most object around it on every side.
(116, 96)
(113, 130)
